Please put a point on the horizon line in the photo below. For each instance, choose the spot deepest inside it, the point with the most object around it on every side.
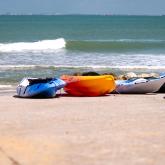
(74, 14)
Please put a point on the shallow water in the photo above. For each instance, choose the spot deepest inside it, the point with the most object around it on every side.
(45, 46)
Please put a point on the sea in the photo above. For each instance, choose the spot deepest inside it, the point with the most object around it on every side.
(52, 45)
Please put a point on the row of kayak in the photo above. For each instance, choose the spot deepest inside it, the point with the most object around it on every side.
(87, 86)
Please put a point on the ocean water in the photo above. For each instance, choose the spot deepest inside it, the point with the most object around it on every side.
(46, 46)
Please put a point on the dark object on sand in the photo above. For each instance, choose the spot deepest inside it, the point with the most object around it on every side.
(90, 74)
(162, 89)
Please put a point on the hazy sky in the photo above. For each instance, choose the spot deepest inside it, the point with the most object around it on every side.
(135, 7)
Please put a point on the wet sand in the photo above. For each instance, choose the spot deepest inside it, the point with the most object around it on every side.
(109, 130)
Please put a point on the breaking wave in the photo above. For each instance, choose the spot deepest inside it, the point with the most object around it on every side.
(43, 45)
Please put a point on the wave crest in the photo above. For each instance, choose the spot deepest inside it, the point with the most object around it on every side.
(115, 45)
(42, 45)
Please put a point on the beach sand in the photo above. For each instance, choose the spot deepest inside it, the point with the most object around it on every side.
(108, 130)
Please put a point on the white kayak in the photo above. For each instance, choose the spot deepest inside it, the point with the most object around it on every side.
(139, 85)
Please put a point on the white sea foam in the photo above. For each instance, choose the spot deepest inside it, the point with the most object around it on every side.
(16, 67)
(131, 67)
(42, 45)
(5, 86)
(20, 67)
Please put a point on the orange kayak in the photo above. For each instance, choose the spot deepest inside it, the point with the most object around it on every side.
(89, 85)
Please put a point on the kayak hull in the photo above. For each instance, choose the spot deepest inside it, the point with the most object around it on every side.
(88, 85)
(150, 86)
(40, 89)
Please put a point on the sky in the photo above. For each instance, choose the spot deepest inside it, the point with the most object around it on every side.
(121, 7)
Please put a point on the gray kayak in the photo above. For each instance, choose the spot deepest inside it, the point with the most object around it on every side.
(139, 85)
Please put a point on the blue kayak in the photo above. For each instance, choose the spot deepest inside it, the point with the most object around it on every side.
(39, 87)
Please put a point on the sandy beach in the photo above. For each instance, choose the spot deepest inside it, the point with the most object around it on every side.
(113, 129)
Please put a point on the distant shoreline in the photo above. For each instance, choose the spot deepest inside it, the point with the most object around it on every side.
(47, 14)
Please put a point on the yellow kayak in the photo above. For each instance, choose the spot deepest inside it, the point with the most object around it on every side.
(89, 85)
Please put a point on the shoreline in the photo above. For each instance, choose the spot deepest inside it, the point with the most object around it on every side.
(113, 129)
(13, 79)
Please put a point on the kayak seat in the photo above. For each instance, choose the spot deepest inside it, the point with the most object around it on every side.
(39, 80)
